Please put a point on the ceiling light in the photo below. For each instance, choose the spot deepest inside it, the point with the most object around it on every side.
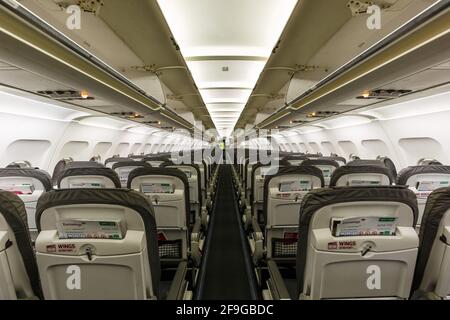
(84, 94)
(226, 66)
(366, 94)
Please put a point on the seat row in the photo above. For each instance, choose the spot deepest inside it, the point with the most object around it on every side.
(139, 242)
(275, 202)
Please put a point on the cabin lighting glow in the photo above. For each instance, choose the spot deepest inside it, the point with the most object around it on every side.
(226, 67)
(84, 94)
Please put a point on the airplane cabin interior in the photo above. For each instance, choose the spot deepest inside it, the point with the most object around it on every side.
(194, 150)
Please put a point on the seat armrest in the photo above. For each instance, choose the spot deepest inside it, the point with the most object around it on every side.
(196, 243)
(179, 283)
(195, 234)
(257, 232)
(256, 242)
(277, 286)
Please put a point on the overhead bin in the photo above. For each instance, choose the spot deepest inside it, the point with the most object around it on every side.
(64, 62)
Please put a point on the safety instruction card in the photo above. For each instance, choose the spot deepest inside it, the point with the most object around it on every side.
(89, 229)
(380, 226)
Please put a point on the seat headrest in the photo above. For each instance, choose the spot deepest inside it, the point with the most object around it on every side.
(136, 156)
(116, 159)
(37, 174)
(13, 210)
(63, 165)
(120, 197)
(171, 164)
(408, 172)
(300, 170)
(156, 158)
(320, 162)
(314, 155)
(428, 162)
(319, 198)
(103, 172)
(295, 157)
(334, 158)
(129, 163)
(168, 163)
(116, 197)
(281, 163)
(83, 164)
(13, 165)
(346, 170)
(388, 163)
(150, 171)
(363, 162)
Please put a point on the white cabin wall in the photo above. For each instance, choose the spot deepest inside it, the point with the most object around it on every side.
(44, 141)
(404, 140)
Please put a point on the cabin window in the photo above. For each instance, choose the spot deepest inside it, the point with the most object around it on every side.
(76, 150)
(417, 148)
(102, 149)
(122, 149)
(375, 148)
(348, 148)
(136, 148)
(328, 147)
(34, 151)
(315, 147)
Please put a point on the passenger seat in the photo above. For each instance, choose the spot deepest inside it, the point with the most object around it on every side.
(111, 161)
(423, 180)
(19, 277)
(432, 276)
(275, 231)
(123, 169)
(168, 191)
(354, 243)
(70, 164)
(192, 172)
(29, 184)
(327, 167)
(101, 244)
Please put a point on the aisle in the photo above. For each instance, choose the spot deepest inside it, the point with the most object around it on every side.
(226, 275)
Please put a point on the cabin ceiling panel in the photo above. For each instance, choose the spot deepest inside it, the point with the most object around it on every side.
(129, 36)
(227, 48)
(306, 43)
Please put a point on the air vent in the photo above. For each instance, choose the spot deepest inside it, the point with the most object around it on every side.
(90, 6)
(384, 94)
(322, 114)
(151, 122)
(127, 115)
(360, 7)
(168, 128)
(65, 95)
(298, 121)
